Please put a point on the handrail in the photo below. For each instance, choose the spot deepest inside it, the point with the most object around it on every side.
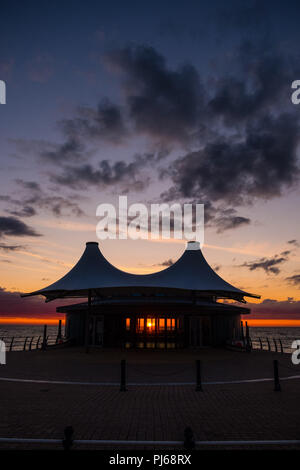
(27, 343)
(276, 345)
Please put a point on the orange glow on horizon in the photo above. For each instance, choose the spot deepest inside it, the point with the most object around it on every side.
(31, 321)
(272, 322)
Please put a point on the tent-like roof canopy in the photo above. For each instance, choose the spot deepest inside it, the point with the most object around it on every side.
(191, 272)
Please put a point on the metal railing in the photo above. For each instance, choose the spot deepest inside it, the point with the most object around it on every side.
(29, 343)
(272, 344)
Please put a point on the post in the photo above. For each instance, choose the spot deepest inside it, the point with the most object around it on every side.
(260, 342)
(269, 346)
(198, 376)
(38, 342)
(248, 344)
(30, 344)
(277, 387)
(189, 440)
(275, 344)
(123, 376)
(44, 343)
(242, 332)
(87, 324)
(11, 344)
(68, 440)
(25, 342)
(59, 331)
(281, 347)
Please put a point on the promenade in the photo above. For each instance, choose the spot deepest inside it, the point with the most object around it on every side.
(96, 410)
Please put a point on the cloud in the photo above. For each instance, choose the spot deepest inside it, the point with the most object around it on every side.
(258, 165)
(103, 123)
(35, 198)
(5, 247)
(294, 280)
(167, 263)
(272, 309)
(264, 78)
(12, 305)
(269, 265)
(26, 211)
(161, 102)
(294, 242)
(11, 226)
(105, 174)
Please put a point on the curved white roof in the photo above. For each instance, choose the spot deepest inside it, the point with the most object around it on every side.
(191, 272)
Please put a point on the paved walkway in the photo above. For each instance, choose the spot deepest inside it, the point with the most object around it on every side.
(220, 412)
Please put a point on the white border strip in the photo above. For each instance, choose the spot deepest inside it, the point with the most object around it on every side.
(140, 384)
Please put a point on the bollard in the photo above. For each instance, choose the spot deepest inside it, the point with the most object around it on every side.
(68, 441)
(44, 343)
(277, 387)
(123, 376)
(189, 441)
(198, 376)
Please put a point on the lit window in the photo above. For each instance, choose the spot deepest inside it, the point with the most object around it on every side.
(127, 324)
(161, 324)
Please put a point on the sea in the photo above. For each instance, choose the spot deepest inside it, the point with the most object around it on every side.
(270, 337)
(30, 335)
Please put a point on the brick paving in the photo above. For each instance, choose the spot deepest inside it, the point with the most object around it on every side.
(251, 411)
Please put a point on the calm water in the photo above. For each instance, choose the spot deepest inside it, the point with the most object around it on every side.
(27, 330)
(285, 334)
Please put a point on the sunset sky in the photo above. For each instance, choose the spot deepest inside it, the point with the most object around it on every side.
(164, 102)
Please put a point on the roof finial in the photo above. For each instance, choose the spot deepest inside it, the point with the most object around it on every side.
(193, 245)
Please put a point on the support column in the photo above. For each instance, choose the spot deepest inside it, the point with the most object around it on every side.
(134, 331)
(87, 321)
(145, 331)
(166, 332)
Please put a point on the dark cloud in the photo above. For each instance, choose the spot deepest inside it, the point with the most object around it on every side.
(269, 265)
(6, 247)
(161, 102)
(229, 221)
(259, 165)
(11, 226)
(35, 198)
(167, 263)
(71, 150)
(294, 243)
(264, 79)
(272, 309)
(103, 123)
(12, 305)
(295, 279)
(105, 174)
(26, 211)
